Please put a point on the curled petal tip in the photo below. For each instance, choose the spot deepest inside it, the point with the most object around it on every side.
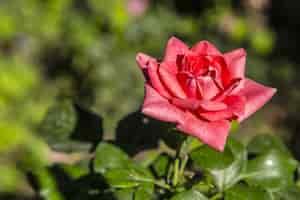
(206, 48)
(143, 60)
(174, 47)
(173, 40)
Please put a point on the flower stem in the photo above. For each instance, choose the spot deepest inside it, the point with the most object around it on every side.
(182, 165)
(162, 185)
(176, 172)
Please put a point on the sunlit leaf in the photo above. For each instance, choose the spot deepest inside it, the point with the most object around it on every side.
(224, 167)
(273, 169)
(189, 195)
(244, 192)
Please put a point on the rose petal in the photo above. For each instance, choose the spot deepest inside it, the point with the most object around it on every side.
(143, 60)
(205, 48)
(213, 134)
(213, 116)
(188, 84)
(159, 108)
(207, 86)
(256, 96)
(190, 104)
(222, 75)
(232, 89)
(155, 80)
(236, 104)
(170, 81)
(149, 67)
(194, 104)
(171, 66)
(235, 108)
(236, 63)
(174, 47)
(212, 105)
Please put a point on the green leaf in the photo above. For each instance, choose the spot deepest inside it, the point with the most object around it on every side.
(161, 164)
(263, 143)
(108, 156)
(76, 171)
(127, 178)
(189, 195)
(289, 193)
(35, 154)
(244, 192)
(147, 157)
(224, 167)
(11, 136)
(188, 145)
(124, 194)
(210, 159)
(59, 121)
(273, 169)
(11, 179)
(145, 192)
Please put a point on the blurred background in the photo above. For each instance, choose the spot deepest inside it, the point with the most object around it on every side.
(69, 61)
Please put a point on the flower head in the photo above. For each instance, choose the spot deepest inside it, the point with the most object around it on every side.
(201, 90)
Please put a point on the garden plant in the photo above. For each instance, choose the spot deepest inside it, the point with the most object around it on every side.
(149, 100)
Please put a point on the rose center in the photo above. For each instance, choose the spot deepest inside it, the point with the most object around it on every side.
(198, 77)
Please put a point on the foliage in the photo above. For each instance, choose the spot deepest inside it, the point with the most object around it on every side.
(65, 63)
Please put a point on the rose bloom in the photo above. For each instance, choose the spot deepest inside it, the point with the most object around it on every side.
(201, 90)
(137, 7)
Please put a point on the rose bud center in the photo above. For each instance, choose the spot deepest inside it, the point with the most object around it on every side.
(199, 76)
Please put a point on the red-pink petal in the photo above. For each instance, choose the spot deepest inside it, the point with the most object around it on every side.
(171, 66)
(205, 48)
(159, 108)
(155, 80)
(149, 67)
(236, 104)
(236, 63)
(170, 81)
(190, 104)
(235, 108)
(174, 47)
(230, 90)
(213, 134)
(143, 60)
(207, 86)
(194, 104)
(216, 115)
(188, 84)
(212, 105)
(256, 96)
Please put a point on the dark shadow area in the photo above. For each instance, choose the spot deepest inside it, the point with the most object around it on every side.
(192, 7)
(90, 187)
(135, 133)
(284, 20)
(17, 197)
(89, 126)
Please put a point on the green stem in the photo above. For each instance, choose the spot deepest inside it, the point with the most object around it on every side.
(183, 165)
(48, 187)
(162, 185)
(176, 172)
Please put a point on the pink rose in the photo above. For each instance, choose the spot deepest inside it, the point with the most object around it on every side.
(201, 90)
(137, 7)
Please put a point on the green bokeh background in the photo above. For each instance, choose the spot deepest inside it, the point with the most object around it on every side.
(57, 53)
